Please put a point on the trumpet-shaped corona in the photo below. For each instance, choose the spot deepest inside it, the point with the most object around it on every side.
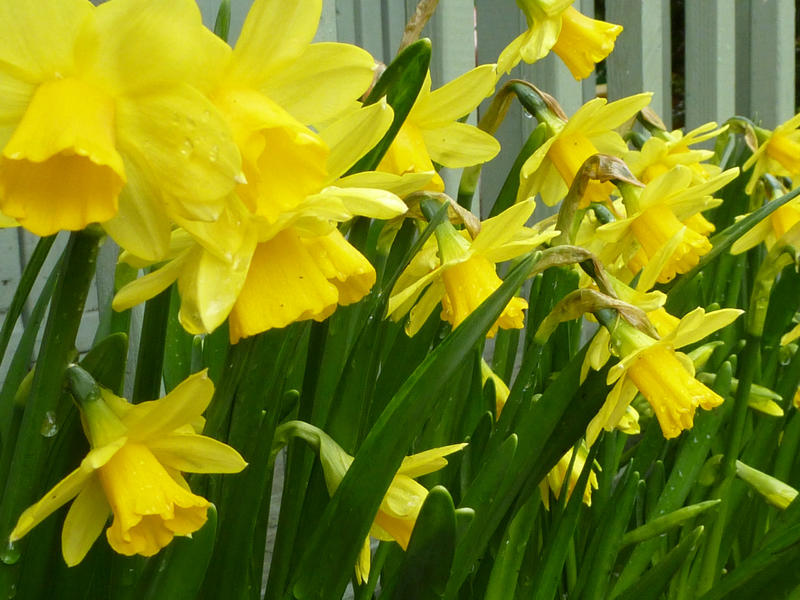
(133, 473)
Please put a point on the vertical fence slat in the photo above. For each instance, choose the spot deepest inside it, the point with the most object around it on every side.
(498, 24)
(327, 31)
(394, 21)
(772, 75)
(710, 62)
(638, 61)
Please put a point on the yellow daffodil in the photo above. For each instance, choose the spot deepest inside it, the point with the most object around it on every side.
(133, 471)
(276, 256)
(778, 152)
(665, 150)
(655, 225)
(555, 478)
(402, 502)
(460, 273)
(400, 506)
(551, 169)
(432, 131)
(773, 490)
(578, 40)
(104, 118)
(663, 376)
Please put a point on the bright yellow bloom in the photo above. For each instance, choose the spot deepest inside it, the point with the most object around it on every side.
(778, 153)
(133, 470)
(555, 478)
(665, 149)
(432, 131)
(400, 506)
(663, 376)
(579, 41)
(551, 169)
(275, 256)
(654, 228)
(460, 273)
(103, 119)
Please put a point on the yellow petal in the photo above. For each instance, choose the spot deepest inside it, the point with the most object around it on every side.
(284, 285)
(39, 37)
(184, 146)
(540, 38)
(196, 454)
(458, 145)
(404, 497)
(63, 148)
(424, 307)
(400, 185)
(496, 231)
(84, 523)
(456, 98)
(150, 285)
(698, 324)
(182, 405)
(511, 55)
(375, 204)
(143, 44)
(338, 73)
(363, 563)
(64, 491)
(274, 35)
(352, 136)
(428, 461)
(141, 225)
(210, 285)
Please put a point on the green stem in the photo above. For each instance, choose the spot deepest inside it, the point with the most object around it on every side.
(150, 360)
(58, 347)
(23, 290)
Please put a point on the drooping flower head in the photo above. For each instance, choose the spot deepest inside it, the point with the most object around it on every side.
(275, 256)
(656, 226)
(581, 42)
(664, 376)
(133, 472)
(552, 167)
(460, 272)
(104, 118)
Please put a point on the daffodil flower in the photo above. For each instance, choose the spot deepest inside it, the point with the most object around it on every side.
(656, 223)
(664, 376)
(460, 273)
(778, 152)
(104, 119)
(276, 256)
(578, 40)
(432, 133)
(770, 229)
(551, 169)
(554, 480)
(402, 502)
(133, 471)
(665, 149)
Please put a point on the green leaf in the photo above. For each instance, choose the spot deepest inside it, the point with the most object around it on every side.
(508, 193)
(664, 523)
(400, 83)
(424, 572)
(106, 361)
(150, 360)
(505, 570)
(29, 275)
(348, 517)
(653, 583)
(222, 24)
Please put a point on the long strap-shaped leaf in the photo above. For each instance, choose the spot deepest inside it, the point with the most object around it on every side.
(331, 553)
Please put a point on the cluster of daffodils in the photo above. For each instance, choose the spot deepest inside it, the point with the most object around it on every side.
(229, 172)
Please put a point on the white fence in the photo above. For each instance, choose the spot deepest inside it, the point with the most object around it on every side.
(740, 59)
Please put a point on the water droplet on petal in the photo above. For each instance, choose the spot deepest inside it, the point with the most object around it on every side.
(187, 147)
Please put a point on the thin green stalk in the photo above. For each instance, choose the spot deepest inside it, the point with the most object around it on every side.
(24, 286)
